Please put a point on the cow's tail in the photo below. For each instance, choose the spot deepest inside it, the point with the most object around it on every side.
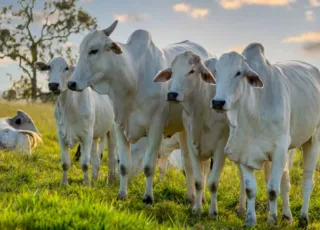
(33, 137)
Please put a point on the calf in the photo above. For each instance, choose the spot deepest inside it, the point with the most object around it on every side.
(83, 117)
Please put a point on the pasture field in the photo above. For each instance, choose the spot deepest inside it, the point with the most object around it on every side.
(31, 196)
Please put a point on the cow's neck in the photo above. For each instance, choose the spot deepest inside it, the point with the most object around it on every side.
(198, 105)
(130, 87)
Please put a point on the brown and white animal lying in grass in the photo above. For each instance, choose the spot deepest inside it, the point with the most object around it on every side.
(19, 133)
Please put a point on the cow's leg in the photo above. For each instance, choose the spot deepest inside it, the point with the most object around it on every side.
(125, 161)
(85, 157)
(95, 160)
(285, 188)
(198, 177)
(205, 171)
(150, 159)
(267, 172)
(187, 167)
(102, 146)
(65, 161)
(163, 164)
(251, 192)
(310, 154)
(214, 178)
(242, 200)
(279, 159)
(112, 156)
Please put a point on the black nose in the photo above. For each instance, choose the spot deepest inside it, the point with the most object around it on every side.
(72, 85)
(172, 96)
(53, 86)
(218, 104)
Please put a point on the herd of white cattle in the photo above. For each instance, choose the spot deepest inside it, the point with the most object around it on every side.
(146, 102)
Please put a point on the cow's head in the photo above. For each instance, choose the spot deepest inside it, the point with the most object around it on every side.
(23, 121)
(185, 72)
(232, 75)
(59, 73)
(98, 56)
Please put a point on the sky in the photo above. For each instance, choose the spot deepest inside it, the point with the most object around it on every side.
(288, 29)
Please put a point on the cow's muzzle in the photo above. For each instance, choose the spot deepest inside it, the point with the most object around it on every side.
(172, 96)
(72, 85)
(218, 105)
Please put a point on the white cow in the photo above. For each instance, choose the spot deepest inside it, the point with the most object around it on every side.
(125, 72)
(19, 133)
(270, 108)
(82, 117)
(207, 130)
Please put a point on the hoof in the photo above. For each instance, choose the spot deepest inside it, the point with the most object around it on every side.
(303, 221)
(111, 179)
(122, 195)
(287, 218)
(250, 221)
(147, 199)
(196, 211)
(189, 202)
(213, 215)
(64, 183)
(86, 182)
(272, 220)
(241, 212)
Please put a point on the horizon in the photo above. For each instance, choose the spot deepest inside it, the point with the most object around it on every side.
(218, 25)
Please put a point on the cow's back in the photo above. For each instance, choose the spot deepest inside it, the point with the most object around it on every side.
(171, 51)
(302, 82)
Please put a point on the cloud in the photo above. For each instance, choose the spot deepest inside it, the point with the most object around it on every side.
(195, 13)
(130, 17)
(181, 7)
(306, 37)
(6, 61)
(87, 1)
(236, 4)
(309, 15)
(312, 48)
(40, 18)
(310, 42)
(71, 44)
(238, 48)
(314, 3)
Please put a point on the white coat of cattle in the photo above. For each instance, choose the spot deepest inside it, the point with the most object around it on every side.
(206, 129)
(19, 133)
(270, 108)
(85, 117)
(125, 72)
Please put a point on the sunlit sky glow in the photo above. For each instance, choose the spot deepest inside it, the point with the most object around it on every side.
(288, 29)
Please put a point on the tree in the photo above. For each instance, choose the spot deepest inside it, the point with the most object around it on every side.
(32, 34)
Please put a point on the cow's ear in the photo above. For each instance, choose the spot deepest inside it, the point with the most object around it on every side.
(206, 74)
(163, 75)
(41, 66)
(115, 48)
(18, 121)
(253, 78)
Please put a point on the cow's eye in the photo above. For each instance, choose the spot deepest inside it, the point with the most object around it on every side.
(66, 69)
(238, 73)
(191, 71)
(92, 52)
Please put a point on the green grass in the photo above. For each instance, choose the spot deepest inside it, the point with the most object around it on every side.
(31, 196)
